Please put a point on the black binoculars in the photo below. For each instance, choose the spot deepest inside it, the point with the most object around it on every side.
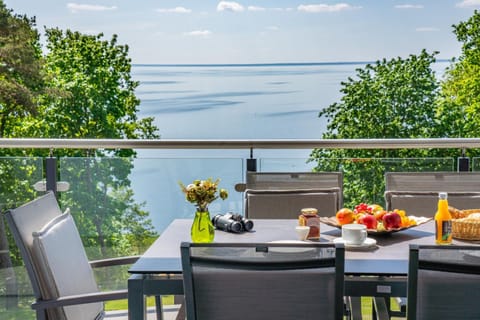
(232, 222)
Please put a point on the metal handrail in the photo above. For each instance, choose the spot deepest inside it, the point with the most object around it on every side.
(422, 143)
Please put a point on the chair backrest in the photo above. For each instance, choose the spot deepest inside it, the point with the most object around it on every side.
(54, 256)
(281, 195)
(443, 282)
(263, 281)
(294, 180)
(417, 192)
(287, 204)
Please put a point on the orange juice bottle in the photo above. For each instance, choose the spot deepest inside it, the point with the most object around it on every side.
(443, 221)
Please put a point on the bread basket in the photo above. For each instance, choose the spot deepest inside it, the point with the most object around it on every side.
(462, 226)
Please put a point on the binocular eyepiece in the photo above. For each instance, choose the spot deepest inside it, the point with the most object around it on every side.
(232, 222)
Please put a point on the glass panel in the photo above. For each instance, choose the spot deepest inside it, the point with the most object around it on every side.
(475, 164)
(286, 165)
(17, 179)
(121, 205)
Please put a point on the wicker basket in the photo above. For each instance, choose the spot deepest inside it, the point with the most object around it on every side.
(464, 228)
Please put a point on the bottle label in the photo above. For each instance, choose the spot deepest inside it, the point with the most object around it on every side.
(445, 232)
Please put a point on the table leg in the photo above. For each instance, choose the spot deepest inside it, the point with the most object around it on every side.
(136, 298)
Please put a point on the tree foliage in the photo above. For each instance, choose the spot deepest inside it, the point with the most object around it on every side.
(80, 88)
(21, 78)
(389, 99)
(94, 92)
(459, 103)
(94, 97)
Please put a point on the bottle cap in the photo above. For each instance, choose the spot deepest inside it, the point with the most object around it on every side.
(442, 195)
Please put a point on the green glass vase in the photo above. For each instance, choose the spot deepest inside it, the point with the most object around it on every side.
(202, 228)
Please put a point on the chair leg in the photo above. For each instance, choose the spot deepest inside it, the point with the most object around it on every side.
(355, 306)
(380, 308)
(181, 311)
(158, 307)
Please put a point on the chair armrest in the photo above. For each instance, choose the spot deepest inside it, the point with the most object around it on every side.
(118, 261)
(80, 299)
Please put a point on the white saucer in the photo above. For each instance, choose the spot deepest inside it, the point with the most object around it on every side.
(369, 242)
(292, 249)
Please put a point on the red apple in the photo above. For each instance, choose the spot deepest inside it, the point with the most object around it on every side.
(392, 220)
(368, 220)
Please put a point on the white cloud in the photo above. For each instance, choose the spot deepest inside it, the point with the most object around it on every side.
(273, 28)
(174, 10)
(76, 7)
(283, 9)
(198, 33)
(254, 8)
(409, 6)
(315, 8)
(427, 29)
(468, 4)
(229, 6)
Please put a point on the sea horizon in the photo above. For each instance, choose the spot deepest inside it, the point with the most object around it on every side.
(265, 64)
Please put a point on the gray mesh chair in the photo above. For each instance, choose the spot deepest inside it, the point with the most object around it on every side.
(294, 180)
(61, 276)
(417, 192)
(443, 282)
(281, 195)
(287, 204)
(263, 281)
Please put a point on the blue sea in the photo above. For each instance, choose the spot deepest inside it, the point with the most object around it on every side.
(239, 101)
(245, 101)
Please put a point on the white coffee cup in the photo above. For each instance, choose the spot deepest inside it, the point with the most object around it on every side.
(302, 232)
(354, 233)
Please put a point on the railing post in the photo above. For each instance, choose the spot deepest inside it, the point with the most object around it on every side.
(463, 163)
(51, 173)
(251, 162)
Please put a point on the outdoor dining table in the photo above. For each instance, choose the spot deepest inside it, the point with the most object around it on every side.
(380, 270)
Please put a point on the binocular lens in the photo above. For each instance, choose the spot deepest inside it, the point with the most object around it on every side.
(235, 227)
(248, 225)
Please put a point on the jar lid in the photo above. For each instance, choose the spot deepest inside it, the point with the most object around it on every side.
(309, 211)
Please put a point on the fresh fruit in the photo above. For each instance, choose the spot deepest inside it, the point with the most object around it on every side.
(345, 216)
(361, 208)
(373, 208)
(402, 213)
(368, 220)
(392, 220)
(379, 214)
(375, 217)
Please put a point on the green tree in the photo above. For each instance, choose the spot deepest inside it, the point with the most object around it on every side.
(389, 99)
(21, 78)
(459, 104)
(94, 91)
(92, 95)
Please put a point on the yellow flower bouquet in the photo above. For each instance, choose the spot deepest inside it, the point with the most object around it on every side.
(203, 192)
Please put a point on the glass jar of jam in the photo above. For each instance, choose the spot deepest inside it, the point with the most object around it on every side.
(309, 217)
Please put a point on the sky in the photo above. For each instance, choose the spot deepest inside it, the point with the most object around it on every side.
(260, 31)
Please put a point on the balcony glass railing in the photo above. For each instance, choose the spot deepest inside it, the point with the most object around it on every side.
(121, 205)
